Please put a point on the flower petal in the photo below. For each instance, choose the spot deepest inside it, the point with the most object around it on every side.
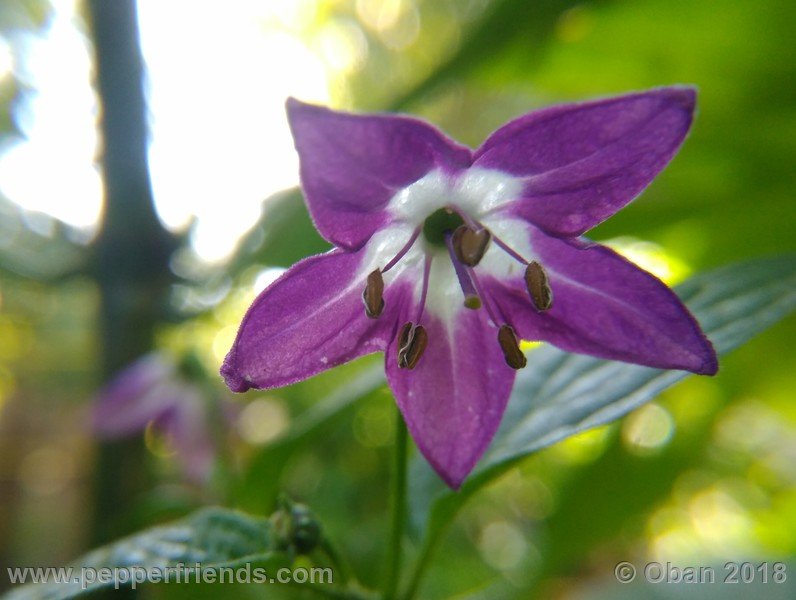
(310, 319)
(580, 163)
(605, 306)
(352, 165)
(453, 400)
(138, 394)
(188, 431)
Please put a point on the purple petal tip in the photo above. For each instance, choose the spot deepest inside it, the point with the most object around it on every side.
(685, 94)
(453, 477)
(454, 482)
(235, 382)
(294, 107)
(710, 364)
(292, 104)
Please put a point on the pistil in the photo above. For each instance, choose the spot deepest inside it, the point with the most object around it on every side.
(466, 246)
(481, 294)
(471, 299)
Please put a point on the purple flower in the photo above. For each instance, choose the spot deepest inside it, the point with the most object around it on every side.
(458, 254)
(152, 390)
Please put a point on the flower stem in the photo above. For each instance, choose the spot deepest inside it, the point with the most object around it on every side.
(394, 555)
(423, 561)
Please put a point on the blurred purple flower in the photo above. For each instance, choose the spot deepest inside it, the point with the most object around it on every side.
(427, 232)
(153, 390)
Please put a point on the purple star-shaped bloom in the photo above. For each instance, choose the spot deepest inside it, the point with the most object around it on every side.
(457, 254)
(152, 390)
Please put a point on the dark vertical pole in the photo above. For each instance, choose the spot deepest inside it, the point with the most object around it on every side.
(132, 250)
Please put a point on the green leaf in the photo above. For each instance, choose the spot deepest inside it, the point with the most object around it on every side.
(214, 537)
(561, 394)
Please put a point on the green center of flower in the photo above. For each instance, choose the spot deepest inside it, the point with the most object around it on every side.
(438, 224)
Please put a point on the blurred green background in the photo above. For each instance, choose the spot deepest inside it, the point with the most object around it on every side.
(704, 475)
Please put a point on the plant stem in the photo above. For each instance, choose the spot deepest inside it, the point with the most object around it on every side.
(423, 560)
(394, 554)
(130, 256)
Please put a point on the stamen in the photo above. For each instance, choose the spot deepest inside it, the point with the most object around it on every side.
(536, 281)
(411, 344)
(538, 286)
(413, 339)
(424, 292)
(402, 252)
(506, 248)
(471, 299)
(373, 295)
(470, 244)
(506, 338)
(511, 349)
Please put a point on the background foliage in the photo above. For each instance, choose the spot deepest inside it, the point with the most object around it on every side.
(703, 475)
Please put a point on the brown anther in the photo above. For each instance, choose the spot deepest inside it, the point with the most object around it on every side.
(372, 296)
(472, 301)
(412, 343)
(470, 245)
(538, 286)
(511, 349)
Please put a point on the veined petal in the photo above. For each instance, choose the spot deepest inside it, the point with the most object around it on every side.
(581, 163)
(453, 400)
(352, 165)
(605, 306)
(310, 319)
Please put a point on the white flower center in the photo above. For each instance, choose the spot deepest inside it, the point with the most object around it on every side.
(475, 194)
(475, 191)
